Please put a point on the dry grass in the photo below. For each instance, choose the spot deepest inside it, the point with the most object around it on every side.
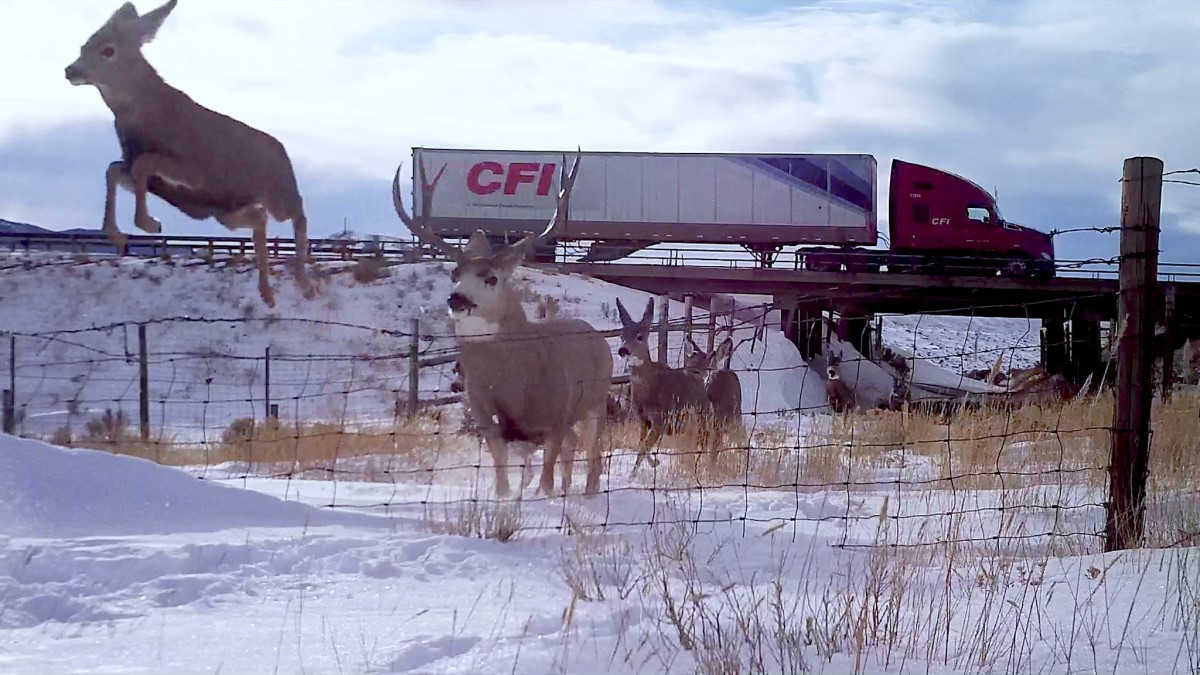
(408, 448)
(973, 448)
(478, 518)
(368, 270)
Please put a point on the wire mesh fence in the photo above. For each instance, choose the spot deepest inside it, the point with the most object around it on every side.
(1017, 462)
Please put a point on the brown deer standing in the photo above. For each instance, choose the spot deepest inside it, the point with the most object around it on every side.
(722, 385)
(663, 397)
(525, 381)
(841, 396)
(201, 162)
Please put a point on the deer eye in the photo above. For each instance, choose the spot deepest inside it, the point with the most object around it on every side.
(108, 52)
(641, 337)
(491, 280)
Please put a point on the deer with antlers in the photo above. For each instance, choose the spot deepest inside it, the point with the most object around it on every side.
(525, 381)
(664, 398)
(201, 162)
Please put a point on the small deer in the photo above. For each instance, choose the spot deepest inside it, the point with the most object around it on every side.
(722, 385)
(662, 396)
(841, 396)
(201, 162)
(525, 381)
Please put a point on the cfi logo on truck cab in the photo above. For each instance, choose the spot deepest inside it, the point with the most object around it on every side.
(487, 177)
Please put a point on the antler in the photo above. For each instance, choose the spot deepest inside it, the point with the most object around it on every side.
(566, 182)
(420, 225)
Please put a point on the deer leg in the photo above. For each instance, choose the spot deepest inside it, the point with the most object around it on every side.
(254, 217)
(526, 450)
(498, 448)
(143, 168)
(651, 434)
(554, 446)
(114, 176)
(299, 269)
(593, 430)
(566, 461)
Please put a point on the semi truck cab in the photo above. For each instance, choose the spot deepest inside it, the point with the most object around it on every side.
(939, 219)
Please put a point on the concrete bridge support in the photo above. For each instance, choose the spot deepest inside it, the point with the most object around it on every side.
(1085, 351)
(1055, 357)
(856, 327)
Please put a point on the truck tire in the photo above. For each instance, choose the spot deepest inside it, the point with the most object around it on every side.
(1017, 265)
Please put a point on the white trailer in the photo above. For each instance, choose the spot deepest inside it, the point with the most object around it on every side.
(761, 201)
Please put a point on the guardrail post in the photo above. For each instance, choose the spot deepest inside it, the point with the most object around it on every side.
(1141, 199)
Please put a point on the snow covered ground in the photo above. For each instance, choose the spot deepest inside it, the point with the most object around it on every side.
(115, 564)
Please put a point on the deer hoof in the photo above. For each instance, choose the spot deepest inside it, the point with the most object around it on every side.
(121, 243)
(268, 296)
(148, 223)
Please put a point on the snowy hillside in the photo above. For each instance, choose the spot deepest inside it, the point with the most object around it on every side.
(335, 357)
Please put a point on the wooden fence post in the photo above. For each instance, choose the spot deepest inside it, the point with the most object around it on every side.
(143, 384)
(1141, 197)
(664, 315)
(414, 368)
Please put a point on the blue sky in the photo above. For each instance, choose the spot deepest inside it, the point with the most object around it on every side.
(1041, 101)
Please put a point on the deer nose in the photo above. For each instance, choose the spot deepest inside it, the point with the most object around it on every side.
(459, 302)
(622, 351)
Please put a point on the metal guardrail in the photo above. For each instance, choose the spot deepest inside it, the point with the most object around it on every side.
(393, 249)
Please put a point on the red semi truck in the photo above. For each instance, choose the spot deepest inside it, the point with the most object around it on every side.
(825, 204)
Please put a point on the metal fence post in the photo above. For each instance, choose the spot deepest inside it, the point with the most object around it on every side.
(9, 402)
(143, 384)
(271, 410)
(414, 367)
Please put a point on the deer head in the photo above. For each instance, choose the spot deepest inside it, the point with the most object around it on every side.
(635, 335)
(833, 369)
(695, 360)
(115, 50)
(482, 295)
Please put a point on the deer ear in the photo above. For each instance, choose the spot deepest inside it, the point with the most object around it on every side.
(648, 315)
(478, 246)
(725, 351)
(150, 22)
(624, 315)
(125, 15)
